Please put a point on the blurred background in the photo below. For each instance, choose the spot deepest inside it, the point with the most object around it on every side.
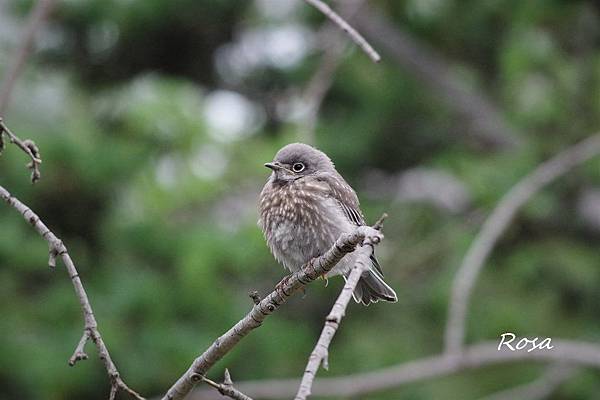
(154, 119)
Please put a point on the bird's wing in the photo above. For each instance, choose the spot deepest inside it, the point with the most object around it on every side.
(337, 188)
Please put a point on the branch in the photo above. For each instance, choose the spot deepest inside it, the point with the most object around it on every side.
(308, 273)
(36, 19)
(495, 226)
(226, 388)
(472, 357)
(321, 81)
(485, 123)
(350, 31)
(332, 322)
(28, 146)
(90, 330)
(539, 389)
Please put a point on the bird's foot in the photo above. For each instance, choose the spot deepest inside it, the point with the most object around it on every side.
(324, 277)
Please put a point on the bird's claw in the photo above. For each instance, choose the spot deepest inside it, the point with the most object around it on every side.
(324, 277)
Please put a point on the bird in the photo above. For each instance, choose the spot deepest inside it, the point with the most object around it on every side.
(304, 207)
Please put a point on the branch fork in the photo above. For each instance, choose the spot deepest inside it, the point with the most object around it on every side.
(226, 388)
(27, 145)
(345, 244)
(79, 353)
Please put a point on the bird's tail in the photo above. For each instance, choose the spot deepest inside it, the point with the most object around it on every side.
(371, 288)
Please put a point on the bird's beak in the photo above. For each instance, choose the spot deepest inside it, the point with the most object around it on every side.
(274, 166)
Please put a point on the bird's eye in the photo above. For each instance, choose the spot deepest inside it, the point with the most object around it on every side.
(298, 167)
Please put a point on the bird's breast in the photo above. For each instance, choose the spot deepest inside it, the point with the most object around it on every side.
(299, 221)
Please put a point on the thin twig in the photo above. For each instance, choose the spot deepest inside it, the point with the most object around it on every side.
(471, 357)
(36, 19)
(79, 353)
(91, 332)
(27, 145)
(320, 353)
(495, 226)
(308, 273)
(379, 223)
(226, 388)
(352, 33)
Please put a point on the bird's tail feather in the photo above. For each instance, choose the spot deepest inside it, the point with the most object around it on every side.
(371, 288)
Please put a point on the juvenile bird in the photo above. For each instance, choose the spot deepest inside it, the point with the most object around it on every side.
(304, 207)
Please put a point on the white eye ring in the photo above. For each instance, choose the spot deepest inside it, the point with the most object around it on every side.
(298, 167)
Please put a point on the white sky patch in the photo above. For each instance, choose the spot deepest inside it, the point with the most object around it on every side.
(43, 95)
(167, 171)
(209, 162)
(282, 46)
(426, 9)
(277, 9)
(293, 107)
(231, 116)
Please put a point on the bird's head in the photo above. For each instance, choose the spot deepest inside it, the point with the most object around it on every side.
(298, 160)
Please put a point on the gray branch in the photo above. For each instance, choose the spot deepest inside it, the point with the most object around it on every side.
(469, 358)
(332, 322)
(495, 226)
(226, 388)
(90, 330)
(350, 31)
(28, 146)
(284, 290)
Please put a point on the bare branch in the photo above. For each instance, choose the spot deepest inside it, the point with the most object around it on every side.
(485, 123)
(226, 388)
(472, 357)
(379, 223)
(332, 322)
(495, 226)
(58, 249)
(28, 146)
(554, 376)
(284, 290)
(36, 19)
(339, 21)
(319, 84)
(79, 353)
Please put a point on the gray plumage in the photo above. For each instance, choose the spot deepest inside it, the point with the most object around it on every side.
(304, 207)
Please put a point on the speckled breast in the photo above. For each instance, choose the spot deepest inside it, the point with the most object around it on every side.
(299, 221)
